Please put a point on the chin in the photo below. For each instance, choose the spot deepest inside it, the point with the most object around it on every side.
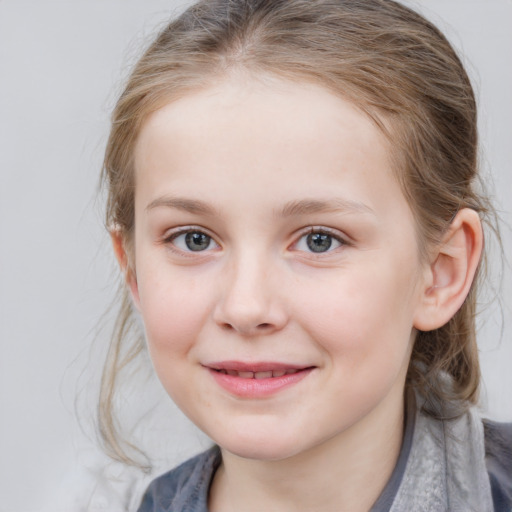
(260, 452)
(259, 446)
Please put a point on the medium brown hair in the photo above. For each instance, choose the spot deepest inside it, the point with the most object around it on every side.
(383, 57)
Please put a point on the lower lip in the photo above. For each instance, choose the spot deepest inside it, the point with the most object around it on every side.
(257, 388)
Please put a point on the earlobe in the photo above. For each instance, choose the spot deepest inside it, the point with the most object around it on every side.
(451, 272)
(121, 253)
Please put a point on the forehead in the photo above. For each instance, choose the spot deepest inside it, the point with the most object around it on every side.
(297, 134)
(292, 108)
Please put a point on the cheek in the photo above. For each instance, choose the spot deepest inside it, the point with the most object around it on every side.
(365, 335)
(174, 307)
(174, 312)
(362, 317)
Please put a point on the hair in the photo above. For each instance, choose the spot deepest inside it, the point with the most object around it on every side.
(386, 59)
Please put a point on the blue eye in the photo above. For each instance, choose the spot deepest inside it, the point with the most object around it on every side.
(194, 241)
(318, 242)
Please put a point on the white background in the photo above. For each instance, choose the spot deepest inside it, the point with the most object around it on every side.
(61, 67)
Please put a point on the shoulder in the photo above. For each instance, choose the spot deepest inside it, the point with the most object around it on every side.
(183, 488)
(498, 459)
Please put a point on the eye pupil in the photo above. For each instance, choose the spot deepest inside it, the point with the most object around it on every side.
(319, 242)
(197, 241)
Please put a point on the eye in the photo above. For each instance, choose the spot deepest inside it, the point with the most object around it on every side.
(318, 241)
(192, 240)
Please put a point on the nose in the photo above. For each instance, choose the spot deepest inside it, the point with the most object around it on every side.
(251, 301)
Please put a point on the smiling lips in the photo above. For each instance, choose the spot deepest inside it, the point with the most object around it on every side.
(256, 380)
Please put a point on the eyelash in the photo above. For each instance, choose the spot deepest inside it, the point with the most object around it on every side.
(333, 236)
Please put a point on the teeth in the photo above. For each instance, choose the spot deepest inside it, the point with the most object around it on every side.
(257, 375)
(263, 375)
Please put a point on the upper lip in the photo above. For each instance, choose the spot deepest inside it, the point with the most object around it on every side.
(261, 366)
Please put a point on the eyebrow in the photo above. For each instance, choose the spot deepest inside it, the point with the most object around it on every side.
(182, 203)
(290, 209)
(336, 205)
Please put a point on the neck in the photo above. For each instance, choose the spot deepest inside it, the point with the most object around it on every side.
(345, 473)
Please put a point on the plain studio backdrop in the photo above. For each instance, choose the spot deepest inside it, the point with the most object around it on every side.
(62, 64)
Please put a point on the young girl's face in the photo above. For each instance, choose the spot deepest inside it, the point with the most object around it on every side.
(276, 265)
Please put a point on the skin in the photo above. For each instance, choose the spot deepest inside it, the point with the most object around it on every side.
(257, 166)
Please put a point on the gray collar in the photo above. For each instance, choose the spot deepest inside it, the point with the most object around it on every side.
(445, 470)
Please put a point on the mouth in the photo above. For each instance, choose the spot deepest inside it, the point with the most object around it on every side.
(256, 380)
(270, 374)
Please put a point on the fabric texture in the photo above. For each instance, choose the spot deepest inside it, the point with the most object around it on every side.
(444, 465)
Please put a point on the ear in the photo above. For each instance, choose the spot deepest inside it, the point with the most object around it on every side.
(122, 256)
(451, 273)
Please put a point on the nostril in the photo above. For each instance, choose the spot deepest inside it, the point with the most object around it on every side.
(259, 327)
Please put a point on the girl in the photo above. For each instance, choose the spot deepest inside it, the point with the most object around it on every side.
(292, 201)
